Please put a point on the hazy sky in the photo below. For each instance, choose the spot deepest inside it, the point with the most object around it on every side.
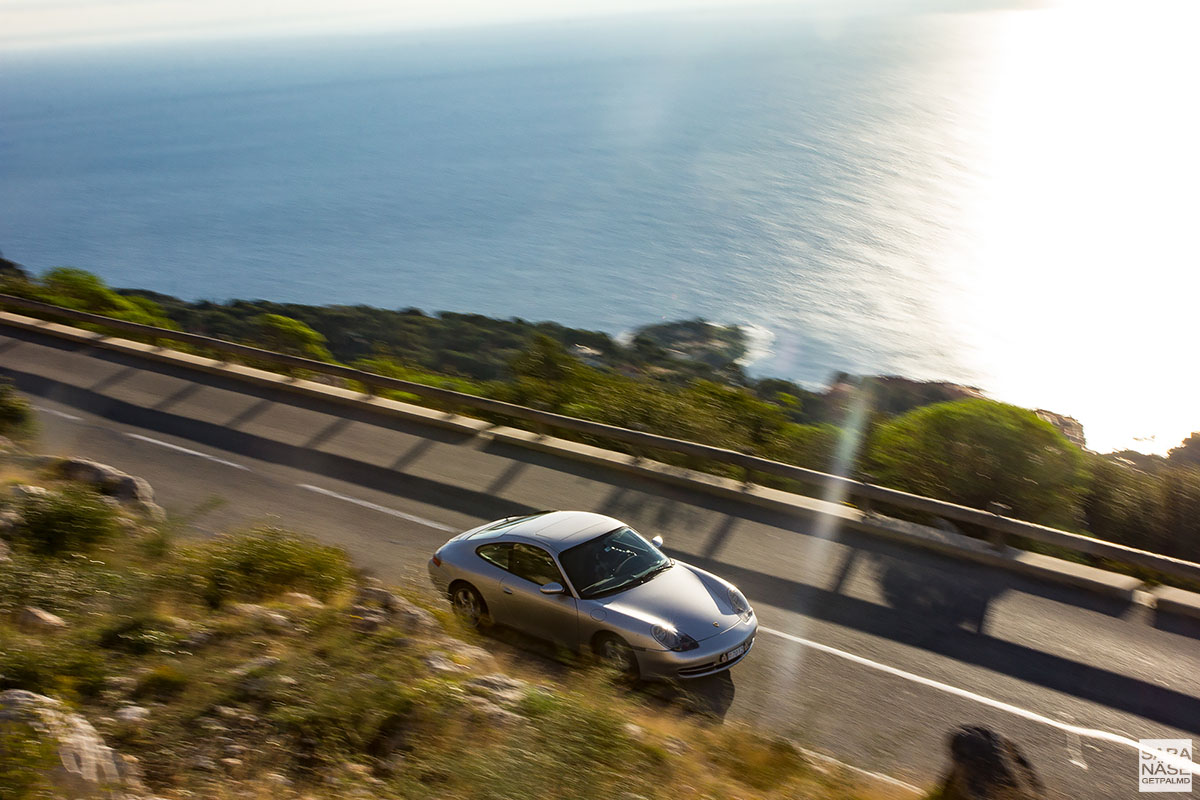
(52, 23)
(33, 23)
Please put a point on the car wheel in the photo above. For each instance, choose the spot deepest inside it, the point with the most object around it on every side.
(616, 652)
(468, 605)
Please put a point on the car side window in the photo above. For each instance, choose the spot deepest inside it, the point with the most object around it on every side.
(498, 554)
(534, 564)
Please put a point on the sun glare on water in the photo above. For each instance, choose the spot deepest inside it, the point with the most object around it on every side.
(1080, 295)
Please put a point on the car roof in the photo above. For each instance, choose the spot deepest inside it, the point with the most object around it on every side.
(558, 530)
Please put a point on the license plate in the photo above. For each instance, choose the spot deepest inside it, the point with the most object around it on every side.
(732, 654)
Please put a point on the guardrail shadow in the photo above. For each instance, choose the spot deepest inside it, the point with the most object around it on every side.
(1177, 624)
(300, 457)
(924, 596)
(197, 380)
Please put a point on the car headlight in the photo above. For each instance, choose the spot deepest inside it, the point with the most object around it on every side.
(674, 640)
(739, 603)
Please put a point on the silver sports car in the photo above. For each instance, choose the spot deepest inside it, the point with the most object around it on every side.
(587, 580)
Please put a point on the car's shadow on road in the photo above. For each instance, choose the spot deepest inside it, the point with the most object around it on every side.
(710, 696)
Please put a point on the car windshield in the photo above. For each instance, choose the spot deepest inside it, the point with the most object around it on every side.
(618, 560)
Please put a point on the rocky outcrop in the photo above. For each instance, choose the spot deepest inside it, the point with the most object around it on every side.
(498, 688)
(128, 489)
(24, 491)
(10, 520)
(36, 620)
(1067, 426)
(377, 606)
(986, 766)
(301, 600)
(83, 765)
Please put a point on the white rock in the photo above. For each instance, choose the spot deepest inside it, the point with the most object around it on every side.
(86, 767)
(302, 600)
(132, 715)
(10, 519)
(439, 663)
(499, 688)
(34, 620)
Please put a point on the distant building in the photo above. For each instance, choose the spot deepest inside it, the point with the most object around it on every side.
(1067, 426)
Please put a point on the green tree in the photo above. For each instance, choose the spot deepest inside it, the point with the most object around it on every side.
(286, 335)
(545, 360)
(547, 376)
(1188, 452)
(810, 446)
(1123, 504)
(977, 451)
(1180, 534)
(751, 421)
(81, 290)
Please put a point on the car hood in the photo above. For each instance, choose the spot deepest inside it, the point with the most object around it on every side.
(680, 598)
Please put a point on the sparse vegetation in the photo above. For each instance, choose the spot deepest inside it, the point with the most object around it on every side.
(265, 562)
(25, 762)
(62, 522)
(16, 416)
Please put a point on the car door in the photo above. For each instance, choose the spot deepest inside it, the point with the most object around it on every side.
(553, 616)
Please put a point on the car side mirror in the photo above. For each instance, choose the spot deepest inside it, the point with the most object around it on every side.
(553, 588)
(657, 541)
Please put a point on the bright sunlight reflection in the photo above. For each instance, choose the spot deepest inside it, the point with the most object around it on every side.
(1083, 284)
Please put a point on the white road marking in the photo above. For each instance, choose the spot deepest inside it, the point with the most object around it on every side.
(879, 776)
(62, 414)
(176, 447)
(1024, 713)
(376, 507)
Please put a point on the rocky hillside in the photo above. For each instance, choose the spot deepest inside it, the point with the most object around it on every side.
(136, 662)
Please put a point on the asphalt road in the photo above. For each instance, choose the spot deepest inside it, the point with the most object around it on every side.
(870, 651)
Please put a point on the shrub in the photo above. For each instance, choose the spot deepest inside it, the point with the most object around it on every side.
(26, 759)
(976, 451)
(138, 634)
(268, 561)
(16, 417)
(54, 667)
(161, 683)
(69, 521)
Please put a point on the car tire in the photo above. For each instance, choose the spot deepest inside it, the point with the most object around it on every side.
(616, 653)
(469, 605)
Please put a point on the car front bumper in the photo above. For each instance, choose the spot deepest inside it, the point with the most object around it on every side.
(715, 654)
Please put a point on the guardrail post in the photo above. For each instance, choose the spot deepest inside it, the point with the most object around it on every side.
(864, 503)
(998, 539)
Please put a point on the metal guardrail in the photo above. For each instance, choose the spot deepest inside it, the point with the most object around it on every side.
(1000, 526)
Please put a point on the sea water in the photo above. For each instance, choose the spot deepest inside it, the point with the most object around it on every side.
(820, 180)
